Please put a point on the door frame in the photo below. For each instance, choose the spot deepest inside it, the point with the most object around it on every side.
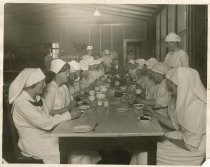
(125, 42)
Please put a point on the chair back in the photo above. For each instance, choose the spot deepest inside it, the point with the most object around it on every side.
(13, 130)
(18, 157)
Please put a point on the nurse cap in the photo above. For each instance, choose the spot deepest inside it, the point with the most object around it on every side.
(172, 37)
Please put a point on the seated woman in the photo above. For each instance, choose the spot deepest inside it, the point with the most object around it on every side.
(31, 117)
(151, 86)
(59, 100)
(74, 78)
(162, 95)
(56, 94)
(84, 76)
(101, 68)
(186, 144)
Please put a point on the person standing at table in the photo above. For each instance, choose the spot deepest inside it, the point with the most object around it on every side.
(58, 100)
(88, 56)
(176, 56)
(31, 117)
(186, 144)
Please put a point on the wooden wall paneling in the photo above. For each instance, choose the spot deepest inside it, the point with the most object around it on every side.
(128, 32)
(118, 41)
(157, 50)
(140, 31)
(171, 18)
(106, 37)
(183, 43)
(181, 18)
(163, 23)
(158, 28)
(95, 39)
(198, 39)
(163, 50)
(79, 36)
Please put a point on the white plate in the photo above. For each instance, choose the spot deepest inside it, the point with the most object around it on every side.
(142, 120)
(122, 110)
(138, 106)
(81, 128)
(84, 107)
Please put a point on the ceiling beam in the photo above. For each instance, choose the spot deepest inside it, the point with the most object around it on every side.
(117, 9)
(147, 6)
(134, 8)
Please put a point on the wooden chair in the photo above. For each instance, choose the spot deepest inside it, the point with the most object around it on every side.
(18, 157)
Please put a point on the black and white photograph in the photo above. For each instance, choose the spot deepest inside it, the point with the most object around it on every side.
(104, 83)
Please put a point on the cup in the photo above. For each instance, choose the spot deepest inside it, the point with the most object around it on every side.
(99, 103)
(106, 103)
(91, 92)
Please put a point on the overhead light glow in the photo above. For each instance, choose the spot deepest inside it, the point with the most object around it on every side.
(97, 13)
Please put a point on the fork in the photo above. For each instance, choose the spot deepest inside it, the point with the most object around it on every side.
(94, 128)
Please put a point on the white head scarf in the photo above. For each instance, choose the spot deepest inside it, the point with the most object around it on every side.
(191, 98)
(172, 37)
(149, 63)
(131, 61)
(106, 51)
(74, 66)
(56, 65)
(160, 68)
(89, 48)
(26, 78)
(171, 76)
(140, 63)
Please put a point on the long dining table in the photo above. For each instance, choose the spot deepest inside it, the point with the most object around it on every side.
(111, 129)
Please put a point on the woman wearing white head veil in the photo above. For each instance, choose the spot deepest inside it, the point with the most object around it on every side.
(59, 101)
(31, 117)
(186, 145)
(176, 56)
(162, 95)
(56, 93)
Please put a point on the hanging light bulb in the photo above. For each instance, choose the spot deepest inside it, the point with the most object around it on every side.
(97, 13)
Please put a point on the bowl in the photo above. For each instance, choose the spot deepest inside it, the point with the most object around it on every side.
(103, 89)
(138, 106)
(123, 88)
(97, 88)
(144, 119)
(138, 91)
(92, 98)
(92, 92)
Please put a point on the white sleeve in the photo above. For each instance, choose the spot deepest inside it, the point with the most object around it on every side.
(37, 118)
(184, 59)
(49, 97)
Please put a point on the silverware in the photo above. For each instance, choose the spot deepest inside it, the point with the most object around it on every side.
(94, 128)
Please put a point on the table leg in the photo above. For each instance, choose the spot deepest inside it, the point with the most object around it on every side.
(63, 152)
(151, 157)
